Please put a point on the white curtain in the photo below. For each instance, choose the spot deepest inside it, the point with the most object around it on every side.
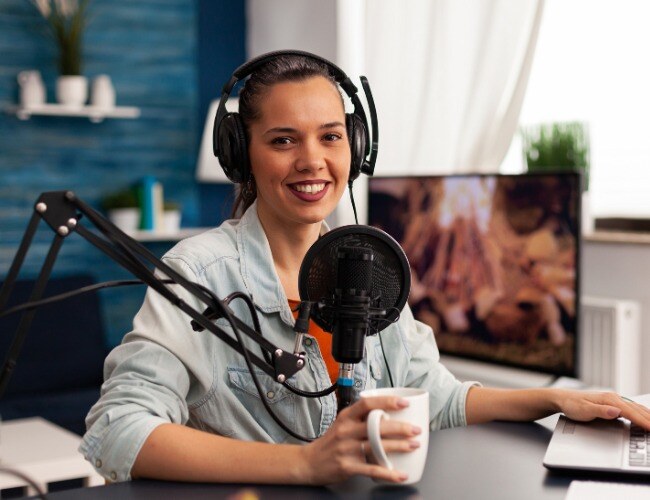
(449, 78)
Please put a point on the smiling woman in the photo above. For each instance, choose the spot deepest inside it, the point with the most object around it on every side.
(176, 405)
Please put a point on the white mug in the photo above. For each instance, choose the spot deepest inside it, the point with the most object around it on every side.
(416, 413)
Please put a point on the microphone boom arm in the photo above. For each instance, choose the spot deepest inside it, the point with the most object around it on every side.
(62, 211)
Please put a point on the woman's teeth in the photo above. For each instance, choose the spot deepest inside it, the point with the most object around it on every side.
(309, 188)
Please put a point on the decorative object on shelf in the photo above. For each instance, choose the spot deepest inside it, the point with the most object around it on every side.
(102, 94)
(32, 89)
(123, 209)
(66, 20)
(171, 217)
(561, 146)
(72, 90)
(150, 193)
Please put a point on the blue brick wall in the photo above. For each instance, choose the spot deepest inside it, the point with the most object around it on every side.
(150, 50)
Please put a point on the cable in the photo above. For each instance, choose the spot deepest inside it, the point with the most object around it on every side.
(256, 381)
(354, 206)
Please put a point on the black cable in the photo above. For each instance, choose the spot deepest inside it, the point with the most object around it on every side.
(66, 295)
(256, 381)
(267, 355)
(354, 206)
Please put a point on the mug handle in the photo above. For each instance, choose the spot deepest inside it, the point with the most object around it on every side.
(374, 437)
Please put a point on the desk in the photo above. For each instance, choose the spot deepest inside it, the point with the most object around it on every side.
(44, 452)
(491, 461)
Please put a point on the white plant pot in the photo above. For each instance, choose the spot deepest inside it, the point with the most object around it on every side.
(72, 90)
(171, 221)
(126, 219)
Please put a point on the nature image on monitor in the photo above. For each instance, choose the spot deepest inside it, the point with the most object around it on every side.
(493, 261)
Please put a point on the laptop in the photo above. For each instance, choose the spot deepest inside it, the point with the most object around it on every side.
(600, 445)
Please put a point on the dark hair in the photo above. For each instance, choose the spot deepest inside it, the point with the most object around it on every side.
(283, 68)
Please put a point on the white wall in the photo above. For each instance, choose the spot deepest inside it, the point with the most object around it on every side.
(621, 270)
(280, 24)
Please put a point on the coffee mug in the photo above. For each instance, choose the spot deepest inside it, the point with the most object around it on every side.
(416, 413)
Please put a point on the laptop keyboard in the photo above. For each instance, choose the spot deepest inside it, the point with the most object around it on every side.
(639, 444)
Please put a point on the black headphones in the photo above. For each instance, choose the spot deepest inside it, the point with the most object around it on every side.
(229, 133)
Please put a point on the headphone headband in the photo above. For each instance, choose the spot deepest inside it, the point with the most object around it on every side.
(367, 155)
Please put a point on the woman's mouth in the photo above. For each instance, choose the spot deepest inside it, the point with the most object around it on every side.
(309, 191)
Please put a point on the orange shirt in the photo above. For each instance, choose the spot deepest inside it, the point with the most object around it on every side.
(324, 340)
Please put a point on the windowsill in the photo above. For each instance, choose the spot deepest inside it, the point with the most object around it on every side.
(633, 237)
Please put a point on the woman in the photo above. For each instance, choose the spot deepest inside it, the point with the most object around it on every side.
(180, 405)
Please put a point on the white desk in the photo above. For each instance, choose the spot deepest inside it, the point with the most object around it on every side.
(45, 452)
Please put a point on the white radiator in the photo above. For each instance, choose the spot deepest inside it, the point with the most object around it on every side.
(609, 344)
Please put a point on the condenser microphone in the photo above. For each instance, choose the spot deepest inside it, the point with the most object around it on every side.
(359, 279)
(351, 303)
(351, 314)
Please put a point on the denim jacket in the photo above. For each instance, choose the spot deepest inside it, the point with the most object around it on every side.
(165, 372)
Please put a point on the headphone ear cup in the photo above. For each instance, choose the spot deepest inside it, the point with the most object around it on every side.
(232, 148)
(358, 137)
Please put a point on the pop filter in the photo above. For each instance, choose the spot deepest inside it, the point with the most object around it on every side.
(391, 276)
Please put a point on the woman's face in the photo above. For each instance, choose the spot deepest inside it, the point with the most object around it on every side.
(299, 151)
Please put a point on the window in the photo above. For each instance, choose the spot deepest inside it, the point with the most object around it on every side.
(592, 65)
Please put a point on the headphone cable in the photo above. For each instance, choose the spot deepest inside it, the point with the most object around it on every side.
(354, 207)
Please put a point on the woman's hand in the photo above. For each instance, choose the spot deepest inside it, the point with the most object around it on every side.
(341, 452)
(585, 406)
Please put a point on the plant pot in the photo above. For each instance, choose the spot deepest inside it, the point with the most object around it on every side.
(171, 221)
(72, 90)
(126, 219)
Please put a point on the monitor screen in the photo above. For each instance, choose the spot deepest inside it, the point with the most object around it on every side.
(494, 261)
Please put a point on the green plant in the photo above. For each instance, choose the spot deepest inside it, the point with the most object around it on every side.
(169, 206)
(66, 21)
(125, 198)
(557, 146)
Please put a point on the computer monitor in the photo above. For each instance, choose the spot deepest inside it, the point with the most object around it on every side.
(494, 262)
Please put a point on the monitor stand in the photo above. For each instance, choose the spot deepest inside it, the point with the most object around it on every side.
(491, 375)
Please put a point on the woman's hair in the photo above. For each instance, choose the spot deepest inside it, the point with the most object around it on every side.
(283, 68)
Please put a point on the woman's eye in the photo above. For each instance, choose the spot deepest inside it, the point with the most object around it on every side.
(281, 141)
(332, 137)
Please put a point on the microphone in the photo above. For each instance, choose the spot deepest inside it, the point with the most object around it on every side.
(351, 310)
(358, 278)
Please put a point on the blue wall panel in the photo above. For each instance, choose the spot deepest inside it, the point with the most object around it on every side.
(150, 50)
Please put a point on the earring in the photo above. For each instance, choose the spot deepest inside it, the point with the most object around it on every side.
(248, 189)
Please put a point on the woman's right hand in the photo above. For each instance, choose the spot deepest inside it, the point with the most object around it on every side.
(341, 452)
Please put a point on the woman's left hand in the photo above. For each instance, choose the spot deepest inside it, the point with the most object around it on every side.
(585, 406)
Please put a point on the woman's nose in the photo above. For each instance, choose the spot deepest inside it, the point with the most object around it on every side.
(311, 156)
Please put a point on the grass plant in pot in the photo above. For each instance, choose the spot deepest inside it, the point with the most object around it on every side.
(66, 21)
(560, 146)
(123, 209)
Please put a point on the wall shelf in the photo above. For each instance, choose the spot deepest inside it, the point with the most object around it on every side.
(151, 236)
(93, 113)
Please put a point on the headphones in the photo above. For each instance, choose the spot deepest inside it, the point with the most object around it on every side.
(229, 133)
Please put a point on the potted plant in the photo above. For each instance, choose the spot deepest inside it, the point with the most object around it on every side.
(557, 147)
(123, 209)
(66, 21)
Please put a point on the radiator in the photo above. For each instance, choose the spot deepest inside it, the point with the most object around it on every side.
(609, 344)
